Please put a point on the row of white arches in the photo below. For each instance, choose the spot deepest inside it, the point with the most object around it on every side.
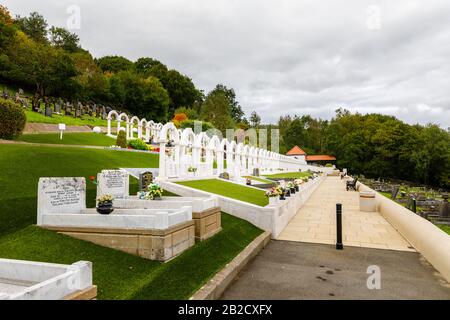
(151, 128)
(181, 150)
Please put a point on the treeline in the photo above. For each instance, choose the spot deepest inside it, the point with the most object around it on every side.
(378, 146)
(49, 61)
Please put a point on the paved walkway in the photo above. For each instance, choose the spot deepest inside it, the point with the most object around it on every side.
(295, 270)
(316, 221)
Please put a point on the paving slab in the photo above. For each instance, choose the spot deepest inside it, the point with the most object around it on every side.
(315, 222)
(303, 271)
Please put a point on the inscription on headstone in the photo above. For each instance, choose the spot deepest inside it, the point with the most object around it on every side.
(113, 182)
(61, 195)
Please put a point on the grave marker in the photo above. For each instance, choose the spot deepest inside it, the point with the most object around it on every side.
(145, 179)
(61, 195)
(113, 182)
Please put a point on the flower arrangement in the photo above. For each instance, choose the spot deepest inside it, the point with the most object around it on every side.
(192, 169)
(274, 192)
(93, 180)
(298, 182)
(290, 185)
(154, 191)
(106, 199)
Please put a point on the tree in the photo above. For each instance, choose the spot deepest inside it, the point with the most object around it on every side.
(61, 38)
(114, 64)
(215, 110)
(235, 108)
(38, 64)
(255, 120)
(6, 28)
(34, 26)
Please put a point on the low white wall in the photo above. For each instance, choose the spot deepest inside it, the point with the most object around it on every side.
(272, 218)
(121, 218)
(429, 240)
(53, 281)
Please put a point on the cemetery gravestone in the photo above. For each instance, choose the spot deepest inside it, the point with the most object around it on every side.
(113, 182)
(61, 195)
(48, 111)
(445, 208)
(145, 179)
(256, 172)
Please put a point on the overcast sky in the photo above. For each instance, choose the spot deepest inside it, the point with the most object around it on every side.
(283, 56)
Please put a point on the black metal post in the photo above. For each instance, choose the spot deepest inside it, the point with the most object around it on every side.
(339, 245)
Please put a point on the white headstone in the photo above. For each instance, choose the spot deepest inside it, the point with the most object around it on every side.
(113, 182)
(61, 195)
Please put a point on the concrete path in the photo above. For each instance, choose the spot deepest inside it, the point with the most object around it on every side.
(316, 221)
(295, 270)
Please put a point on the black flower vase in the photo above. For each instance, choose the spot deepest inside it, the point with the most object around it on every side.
(297, 188)
(288, 193)
(282, 196)
(292, 190)
(105, 208)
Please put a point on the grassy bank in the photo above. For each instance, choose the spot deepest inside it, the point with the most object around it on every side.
(86, 139)
(230, 190)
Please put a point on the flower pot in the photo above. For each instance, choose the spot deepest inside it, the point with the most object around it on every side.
(288, 193)
(273, 200)
(293, 190)
(106, 208)
(282, 197)
(157, 198)
(297, 188)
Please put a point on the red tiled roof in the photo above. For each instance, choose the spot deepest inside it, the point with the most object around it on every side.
(320, 158)
(296, 151)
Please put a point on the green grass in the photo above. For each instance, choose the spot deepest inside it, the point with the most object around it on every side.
(445, 228)
(35, 117)
(123, 276)
(23, 165)
(289, 175)
(86, 139)
(259, 179)
(230, 190)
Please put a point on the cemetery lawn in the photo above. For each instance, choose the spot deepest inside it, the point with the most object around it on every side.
(85, 139)
(230, 190)
(23, 165)
(259, 179)
(119, 275)
(288, 175)
(70, 121)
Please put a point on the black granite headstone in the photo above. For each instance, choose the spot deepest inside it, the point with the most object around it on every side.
(145, 179)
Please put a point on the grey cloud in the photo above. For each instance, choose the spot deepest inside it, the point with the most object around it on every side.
(286, 56)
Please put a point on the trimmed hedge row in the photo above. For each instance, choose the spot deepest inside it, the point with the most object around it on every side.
(12, 120)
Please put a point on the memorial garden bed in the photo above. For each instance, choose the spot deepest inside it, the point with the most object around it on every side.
(230, 190)
(257, 179)
(86, 139)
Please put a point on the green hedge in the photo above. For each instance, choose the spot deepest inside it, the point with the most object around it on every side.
(121, 139)
(12, 120)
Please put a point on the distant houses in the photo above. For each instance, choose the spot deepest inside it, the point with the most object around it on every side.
(322, 159)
